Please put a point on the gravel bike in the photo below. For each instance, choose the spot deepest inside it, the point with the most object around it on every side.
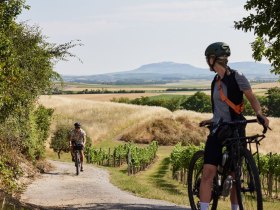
(237, 156)
(77, 156)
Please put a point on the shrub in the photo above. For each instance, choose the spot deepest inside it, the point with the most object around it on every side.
(59, 140)
(273, 101)
(199, 102)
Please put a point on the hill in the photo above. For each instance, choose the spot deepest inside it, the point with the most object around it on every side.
(166, 72)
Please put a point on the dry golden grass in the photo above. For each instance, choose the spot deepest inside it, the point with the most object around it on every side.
(167, 131)
(107, 120)
(266, 85)
(272, 142)
(100, 119)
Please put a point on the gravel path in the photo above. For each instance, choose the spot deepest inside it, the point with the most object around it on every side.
(62, 189)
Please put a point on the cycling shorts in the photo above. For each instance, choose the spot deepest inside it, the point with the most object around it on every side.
(77, 146)
(213, 150)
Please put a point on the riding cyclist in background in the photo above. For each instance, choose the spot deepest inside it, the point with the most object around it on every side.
(227, 89)
(77, 136)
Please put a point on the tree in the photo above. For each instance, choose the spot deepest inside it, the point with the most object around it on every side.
(199, 102)
(273, 101)
(26, 61)
(59, 140)
(265, 22)
(26, 71)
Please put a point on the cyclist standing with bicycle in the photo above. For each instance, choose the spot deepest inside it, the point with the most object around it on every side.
(227, 90)
(77, 136)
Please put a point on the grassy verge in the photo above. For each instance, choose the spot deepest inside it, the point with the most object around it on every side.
(155, 182)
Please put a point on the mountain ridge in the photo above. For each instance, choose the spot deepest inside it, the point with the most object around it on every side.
(166, 72)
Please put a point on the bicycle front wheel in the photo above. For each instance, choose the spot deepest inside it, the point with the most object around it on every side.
(248, 185)
(194, 179)
(77, 162)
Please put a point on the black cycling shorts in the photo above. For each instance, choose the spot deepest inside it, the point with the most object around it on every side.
(213, 150)
(77, 146)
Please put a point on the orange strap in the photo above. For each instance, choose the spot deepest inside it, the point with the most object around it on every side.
(236, 108)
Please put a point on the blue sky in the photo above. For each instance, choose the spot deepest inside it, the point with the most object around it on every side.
(121, 35)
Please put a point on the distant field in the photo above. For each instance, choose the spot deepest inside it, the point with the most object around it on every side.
(156, 87)
(257, 87)
(265, 85)
(156, 90)
(107, 97)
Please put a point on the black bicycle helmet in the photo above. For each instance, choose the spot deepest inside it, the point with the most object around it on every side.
(217, 49)
(77, 125)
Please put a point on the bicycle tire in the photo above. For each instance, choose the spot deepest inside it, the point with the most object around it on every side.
(194, 178)
(77, 162)
(248, 187)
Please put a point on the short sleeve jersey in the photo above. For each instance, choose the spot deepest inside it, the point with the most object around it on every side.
(78, 136)
(221, 109)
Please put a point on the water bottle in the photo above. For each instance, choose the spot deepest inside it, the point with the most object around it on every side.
(219, 180)
(225, 157)
(227, 186)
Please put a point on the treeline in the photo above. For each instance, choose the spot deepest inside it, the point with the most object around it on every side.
(26, 72)
(87, 91)
(187, 89)
(201, 102)
(172, 103)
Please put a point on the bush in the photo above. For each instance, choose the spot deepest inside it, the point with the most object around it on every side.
(273, 101)
(171, 102)
(29, 132)
(199, 102)
(59, 140)
(248, 110)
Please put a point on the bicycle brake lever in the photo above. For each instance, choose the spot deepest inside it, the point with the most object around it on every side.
(214, 130)
(264, 129)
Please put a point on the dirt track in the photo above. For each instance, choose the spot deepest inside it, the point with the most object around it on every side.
(61, 188)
